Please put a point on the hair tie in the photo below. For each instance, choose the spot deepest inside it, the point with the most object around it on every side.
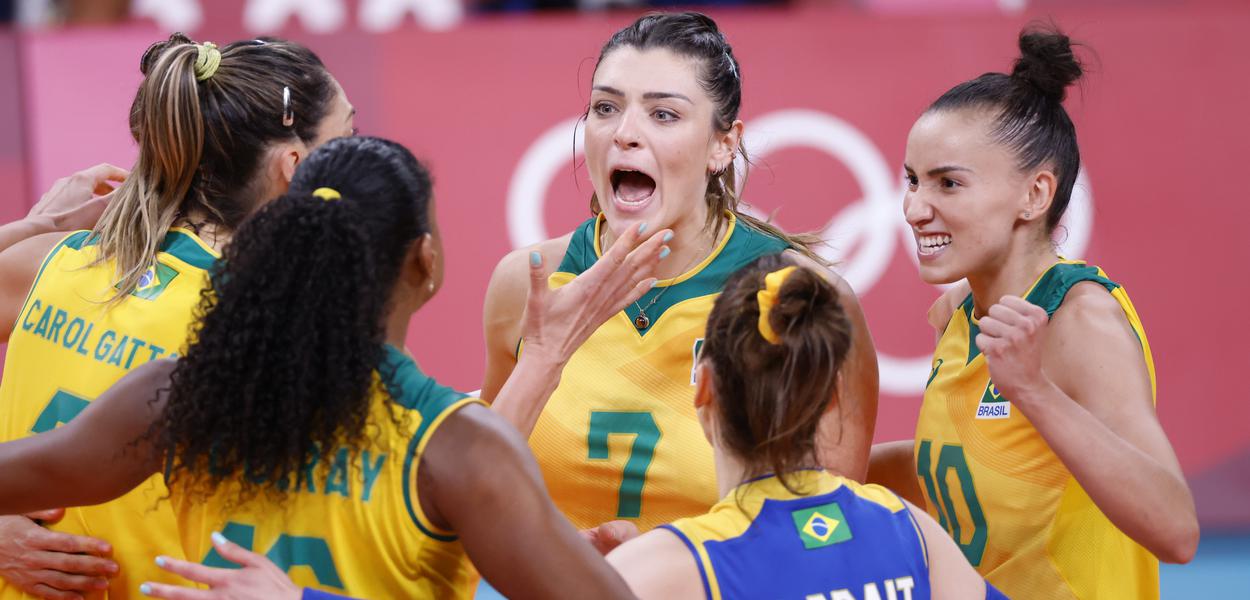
(767, 298)
(207, 59)
(327, 194)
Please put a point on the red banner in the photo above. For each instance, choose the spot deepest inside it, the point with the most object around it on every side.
(829, 98)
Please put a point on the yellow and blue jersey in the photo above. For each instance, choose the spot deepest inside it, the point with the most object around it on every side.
(991, 480)
(355, 525)
(619, 438)
(838, 540)
(70, 343)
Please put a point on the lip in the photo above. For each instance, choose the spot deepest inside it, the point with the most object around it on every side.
(929, 255)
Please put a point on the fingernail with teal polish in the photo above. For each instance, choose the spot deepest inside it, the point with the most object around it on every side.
(665, 252)
(145, 589)
(218, 538)
(160, 561)
(668, 237)
(642, 228)
(536, 259)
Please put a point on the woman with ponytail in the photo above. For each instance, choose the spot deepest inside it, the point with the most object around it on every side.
(1037, 446)
(662, 133)
(297, 425)
(219, 132)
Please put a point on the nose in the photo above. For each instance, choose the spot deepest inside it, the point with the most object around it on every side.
(916, 208)
(627, 134)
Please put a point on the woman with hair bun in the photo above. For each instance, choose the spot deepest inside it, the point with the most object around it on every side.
(1037, 447)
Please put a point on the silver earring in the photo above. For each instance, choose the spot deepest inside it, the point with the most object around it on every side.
(431, 286)
(1028, 214)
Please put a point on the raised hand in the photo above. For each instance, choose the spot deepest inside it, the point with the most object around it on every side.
(1012, 336)
(557, 321)
(77, 201)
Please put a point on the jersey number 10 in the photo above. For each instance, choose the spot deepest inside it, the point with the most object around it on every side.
(951, 457)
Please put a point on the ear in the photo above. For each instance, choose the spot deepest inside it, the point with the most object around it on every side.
(1041, 194)
(289, 157)
(702, 385)
(725, 147)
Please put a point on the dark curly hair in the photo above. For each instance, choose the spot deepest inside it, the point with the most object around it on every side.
(770, 397)
(292, 329)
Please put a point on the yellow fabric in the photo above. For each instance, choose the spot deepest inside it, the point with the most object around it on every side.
(1040, 536)
(641, 388)
(356, 528)
(767, 299)
(327, 194)
(67, 347)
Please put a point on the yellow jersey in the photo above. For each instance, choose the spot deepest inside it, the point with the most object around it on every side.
(355, 525)
(70, 344)
(836, 540)
(619, 438)
(993, 483)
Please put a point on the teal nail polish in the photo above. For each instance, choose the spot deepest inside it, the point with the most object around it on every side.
(536, 259)
(218, 538)
(160, 561)
(665, 252)
(145, 589)
(668, 237)
(642, 228)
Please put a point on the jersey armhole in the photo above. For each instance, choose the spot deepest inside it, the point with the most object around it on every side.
(413, 461)
(698, 560)
(924, 543)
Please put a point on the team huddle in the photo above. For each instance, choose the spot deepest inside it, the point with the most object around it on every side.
(206, 357)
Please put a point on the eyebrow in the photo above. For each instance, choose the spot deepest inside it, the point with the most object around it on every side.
(939, 170)
(647, 96)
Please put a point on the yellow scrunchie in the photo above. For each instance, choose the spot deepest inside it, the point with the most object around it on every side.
(767, 298)
(327, 194)
(207, 59)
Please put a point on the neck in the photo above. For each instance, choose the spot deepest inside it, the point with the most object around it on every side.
(211, 233)
(730, 471)
(692, 242)
(1012, 274)
(397, 324)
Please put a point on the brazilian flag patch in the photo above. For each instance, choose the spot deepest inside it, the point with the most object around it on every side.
(821, 526)
(154, 281)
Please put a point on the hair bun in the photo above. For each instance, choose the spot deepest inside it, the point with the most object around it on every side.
(1046, 62)
(155, 51)
(801, 300)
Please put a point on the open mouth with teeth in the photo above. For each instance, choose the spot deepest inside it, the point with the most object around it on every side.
(632, 187)
(932, 244)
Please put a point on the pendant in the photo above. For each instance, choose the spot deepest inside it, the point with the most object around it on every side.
(641, 321)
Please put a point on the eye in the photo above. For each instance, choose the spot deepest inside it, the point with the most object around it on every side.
(949, 184)
(604, 108)
(913, 182)
(664, 115)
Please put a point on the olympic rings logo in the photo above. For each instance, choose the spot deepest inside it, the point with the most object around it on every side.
(874, 225)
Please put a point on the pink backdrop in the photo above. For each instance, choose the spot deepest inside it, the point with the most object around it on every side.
(829, 97)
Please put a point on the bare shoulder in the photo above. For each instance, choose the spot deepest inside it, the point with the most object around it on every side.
(1090, 317)
(658, 564)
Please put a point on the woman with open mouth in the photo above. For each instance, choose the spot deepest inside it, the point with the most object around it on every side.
(619, 438)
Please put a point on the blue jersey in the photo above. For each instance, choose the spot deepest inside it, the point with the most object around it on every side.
(838, 540)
